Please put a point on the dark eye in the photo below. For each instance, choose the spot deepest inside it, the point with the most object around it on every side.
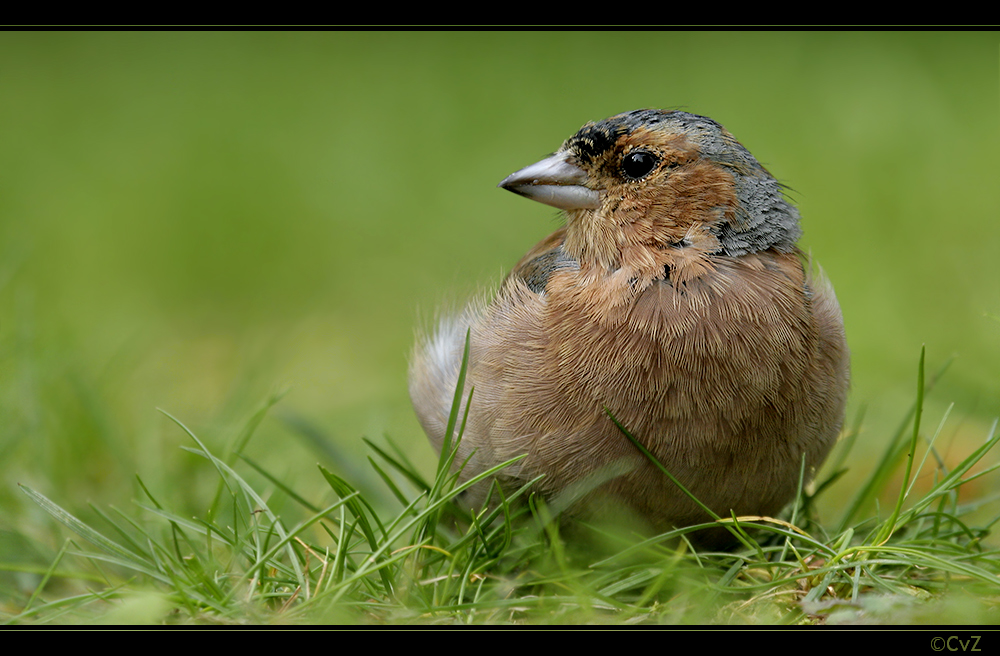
(638, 164)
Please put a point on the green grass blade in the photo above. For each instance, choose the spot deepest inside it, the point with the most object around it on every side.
(456, 404)
(358, 506)
(81, 529)
(918, 413)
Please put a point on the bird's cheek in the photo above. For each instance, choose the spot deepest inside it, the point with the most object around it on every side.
(611, 203)
(581, 217)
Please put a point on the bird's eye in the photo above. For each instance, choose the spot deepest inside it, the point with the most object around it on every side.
(638, 164)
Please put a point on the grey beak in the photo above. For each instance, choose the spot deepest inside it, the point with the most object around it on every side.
(554, 181)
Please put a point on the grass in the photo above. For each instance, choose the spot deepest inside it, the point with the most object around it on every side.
(433, 562)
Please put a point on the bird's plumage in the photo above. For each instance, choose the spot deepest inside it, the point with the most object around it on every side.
(675, 297)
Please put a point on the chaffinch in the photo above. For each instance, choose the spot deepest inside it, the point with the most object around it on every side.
(675, 297)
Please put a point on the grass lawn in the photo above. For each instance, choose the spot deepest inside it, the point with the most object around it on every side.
(215, 249)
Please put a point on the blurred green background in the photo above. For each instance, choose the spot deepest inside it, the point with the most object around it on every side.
(191, 221)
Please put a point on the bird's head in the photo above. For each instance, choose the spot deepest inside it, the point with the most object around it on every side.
(640, 188)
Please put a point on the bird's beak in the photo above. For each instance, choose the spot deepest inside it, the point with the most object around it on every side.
(554, 181)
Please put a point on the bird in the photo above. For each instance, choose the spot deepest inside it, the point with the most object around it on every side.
(673, 299)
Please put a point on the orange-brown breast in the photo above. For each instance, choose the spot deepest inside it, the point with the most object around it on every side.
(730, 378)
